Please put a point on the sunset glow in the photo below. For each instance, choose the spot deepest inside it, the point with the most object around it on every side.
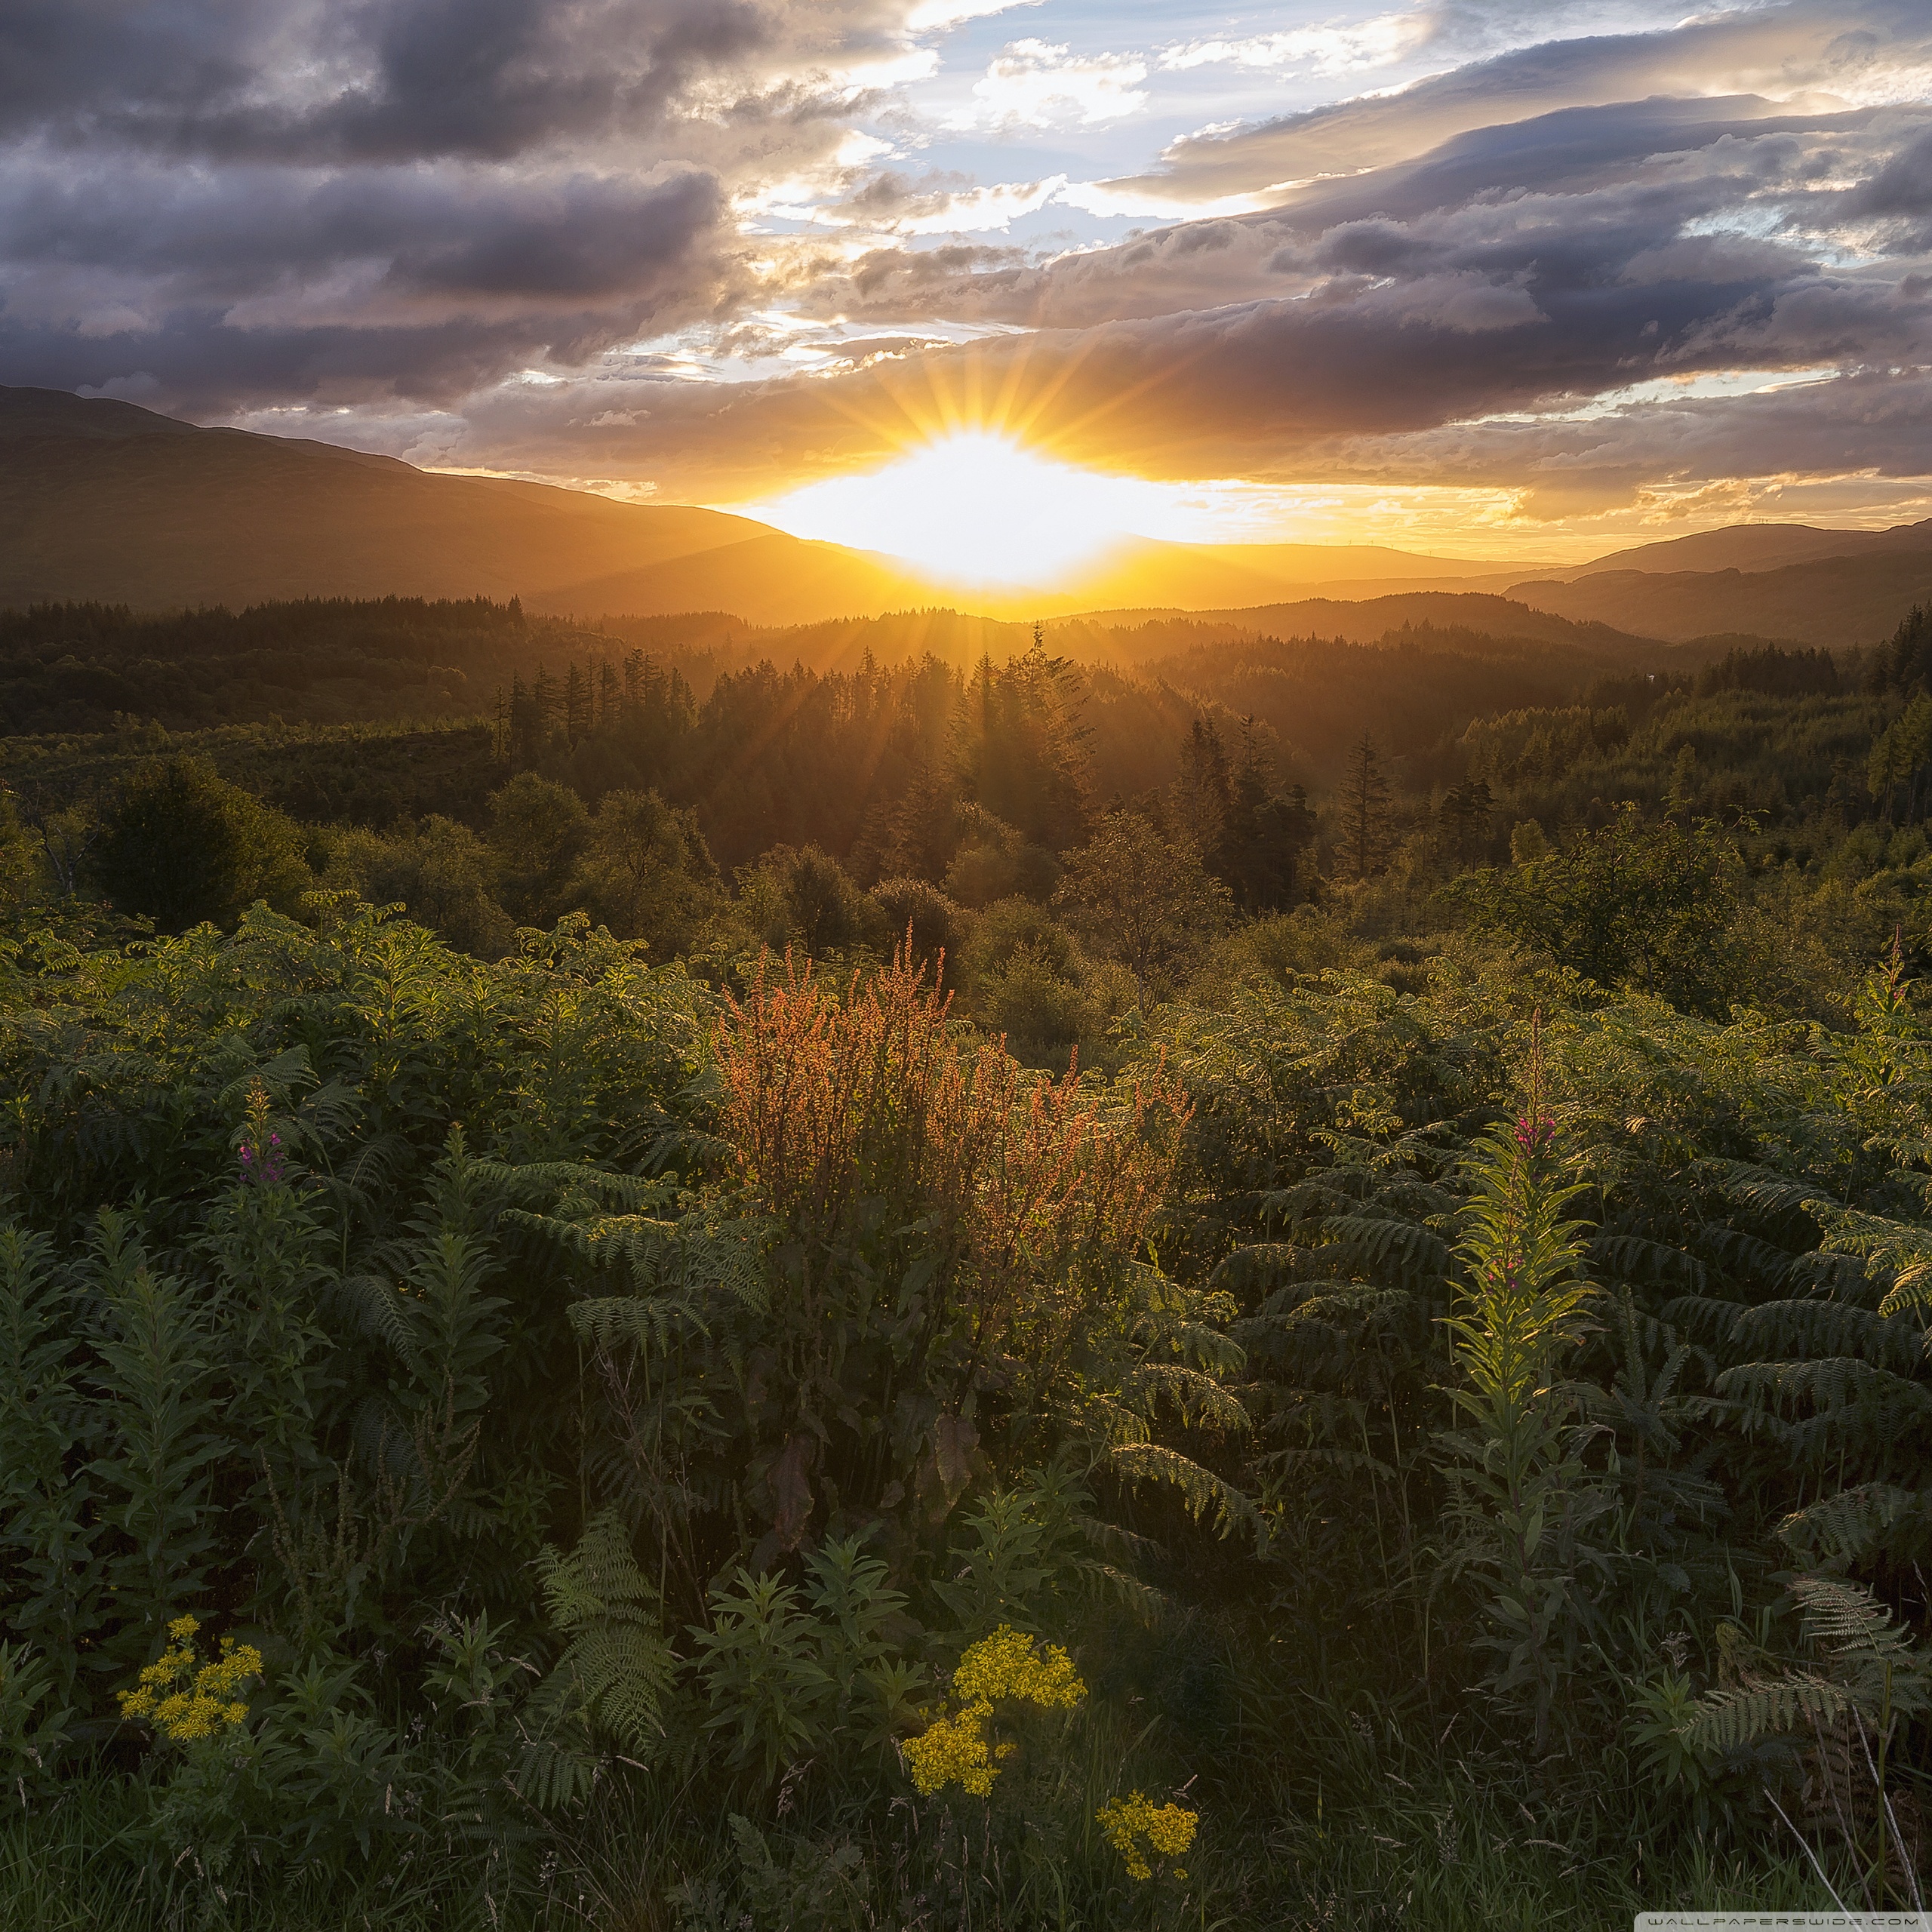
(975, 508)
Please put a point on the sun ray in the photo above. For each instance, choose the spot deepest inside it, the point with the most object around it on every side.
(976, 507)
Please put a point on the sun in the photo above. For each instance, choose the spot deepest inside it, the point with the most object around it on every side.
(975, 508)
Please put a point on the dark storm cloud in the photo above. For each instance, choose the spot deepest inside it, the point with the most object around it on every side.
(188, 187)
(393, 81)
(1259, 389)
(1656, 244)
(238, 233)
(197, 362)
(400, 206)
(1873, 424)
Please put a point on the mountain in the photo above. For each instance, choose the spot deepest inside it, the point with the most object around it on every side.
(775, 580)
(102, 501)
(1834, 600)
(1755, 546)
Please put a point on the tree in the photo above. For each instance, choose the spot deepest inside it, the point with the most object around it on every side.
(1202, 798)
(646, 872)
(1896, 771)
(440, 873)
(1141, 899)
(804, 897)
(183, 847)
(538, 828)
(1634, 903)
(1019, 748)
(1466, 813)
(1364, 812)
(921, 915)
(17, 861)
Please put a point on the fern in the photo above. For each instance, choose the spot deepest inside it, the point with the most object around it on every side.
(1873, 1522)
(616, 1669)
(1869, 1666)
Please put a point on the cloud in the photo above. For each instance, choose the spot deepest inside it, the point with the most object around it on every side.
(1377, 42)
(939, 205)
(1385, 325)
(1847, 52)
(527, 234)
(1039, 83)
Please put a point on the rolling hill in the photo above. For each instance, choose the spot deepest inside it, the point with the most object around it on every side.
(1834, 600)
(101, 500)
(1751, 547)
(104, 502)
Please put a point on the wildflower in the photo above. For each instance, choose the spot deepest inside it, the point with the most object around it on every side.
(1168, 1830)
(1008, 1665)
(260, 1149)
(186, 1699)
(952, 1749)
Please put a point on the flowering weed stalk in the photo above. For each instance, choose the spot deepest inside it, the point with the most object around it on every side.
(262, 1161)
(1518, 1487)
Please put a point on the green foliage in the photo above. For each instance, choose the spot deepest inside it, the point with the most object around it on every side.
(1519, 1501)
(17, 860)
(538, 831)
(1633, 904)
(183, 846)
(1141, 899)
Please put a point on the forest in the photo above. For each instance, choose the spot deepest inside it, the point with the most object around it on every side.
(930, 1274)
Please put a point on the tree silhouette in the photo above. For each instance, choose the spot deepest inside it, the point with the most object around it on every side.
(1364, 803)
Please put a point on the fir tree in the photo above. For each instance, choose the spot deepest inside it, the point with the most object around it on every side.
(1364, 812)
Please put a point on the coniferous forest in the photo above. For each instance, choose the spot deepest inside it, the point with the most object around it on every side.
(916, 1274)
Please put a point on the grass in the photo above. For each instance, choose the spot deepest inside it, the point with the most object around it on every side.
(1333, 1841)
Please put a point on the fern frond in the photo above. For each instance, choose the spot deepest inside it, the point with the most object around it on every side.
(1858, 1525)
(1412, 1250)
(1728, 1720)
(1203, 1491)
(1811, 1330)
(1199, 1399)
(1636, 1258)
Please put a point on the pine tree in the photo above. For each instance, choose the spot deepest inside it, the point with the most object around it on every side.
(1364, 812)
(1203, 798)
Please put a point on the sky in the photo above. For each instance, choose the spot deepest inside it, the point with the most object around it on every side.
(1486, 278)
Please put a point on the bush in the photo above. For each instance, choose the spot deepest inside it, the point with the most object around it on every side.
(182, 847)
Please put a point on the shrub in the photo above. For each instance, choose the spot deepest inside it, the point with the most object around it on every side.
(182, 847)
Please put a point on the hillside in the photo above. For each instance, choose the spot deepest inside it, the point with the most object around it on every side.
(1757, 546)
(104, 502)
(1833, 600)
(101, 501)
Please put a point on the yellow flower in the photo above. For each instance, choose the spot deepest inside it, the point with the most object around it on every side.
(186, 1699)
(1008, 1665)
(952, 1749)
(1168, 1830)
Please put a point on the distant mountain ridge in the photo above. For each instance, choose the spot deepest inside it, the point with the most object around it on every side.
(1750, 547)
(1839, 601)
(103, 500)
